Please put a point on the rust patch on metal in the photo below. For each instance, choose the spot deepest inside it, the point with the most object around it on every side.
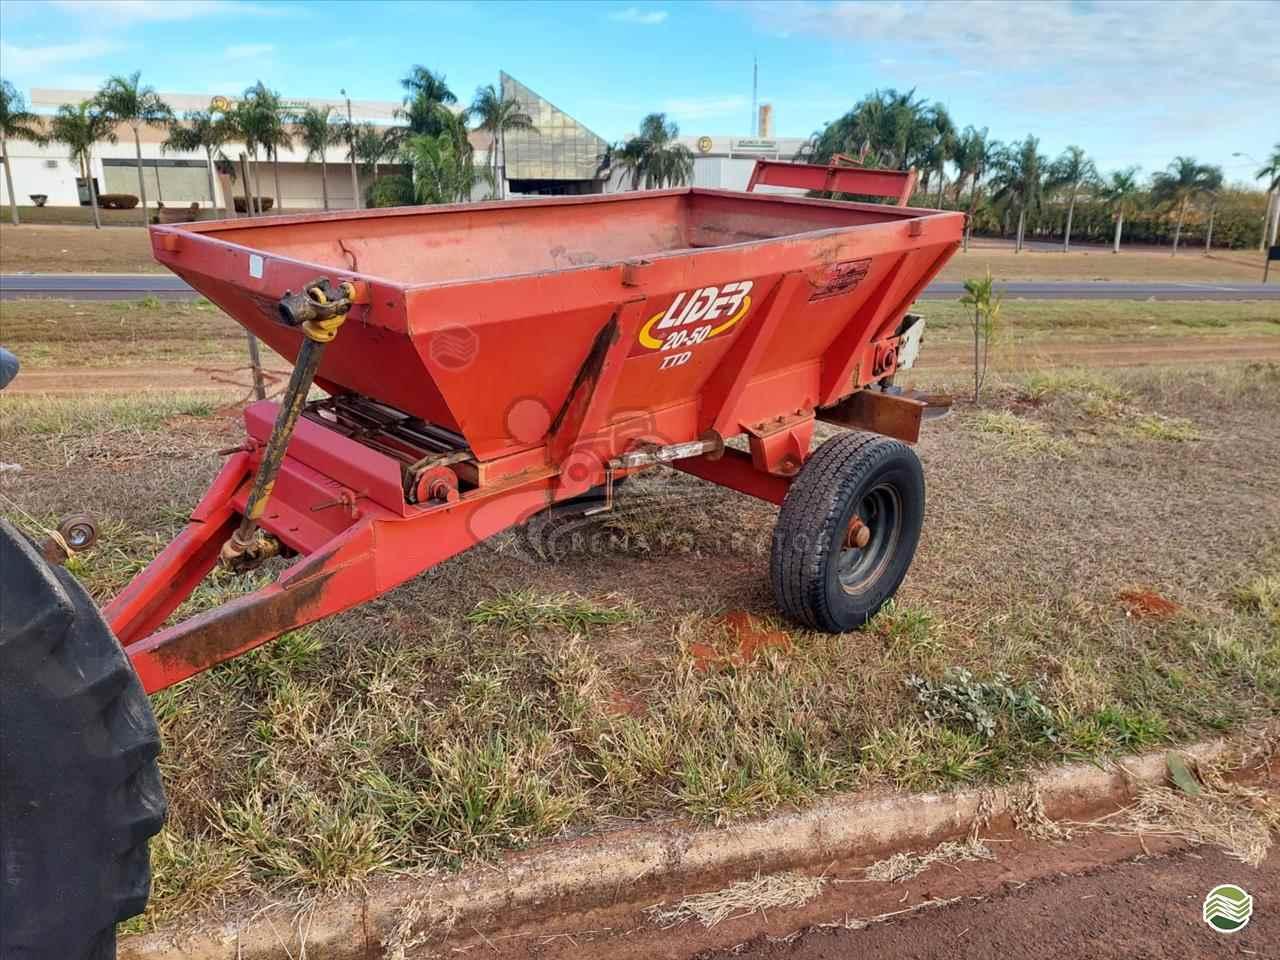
(839, 278)
(883, 413)
(588, 373)
(223, 632)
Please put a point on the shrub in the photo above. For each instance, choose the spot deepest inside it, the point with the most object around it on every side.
(117, 201)
(391, 191)
(266, 203)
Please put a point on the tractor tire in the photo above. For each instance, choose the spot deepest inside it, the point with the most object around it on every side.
(847, 531)
(80, 790)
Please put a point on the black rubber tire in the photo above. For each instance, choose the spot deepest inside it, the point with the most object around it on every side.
(80, 791)
(807, 542)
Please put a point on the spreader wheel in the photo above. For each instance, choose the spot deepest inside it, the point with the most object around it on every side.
(80, 790)
(847, 531)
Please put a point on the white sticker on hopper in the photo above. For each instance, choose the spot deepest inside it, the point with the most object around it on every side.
(255, 266)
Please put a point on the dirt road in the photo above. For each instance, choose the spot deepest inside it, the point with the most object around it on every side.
(1149, 909)
(1194, 351)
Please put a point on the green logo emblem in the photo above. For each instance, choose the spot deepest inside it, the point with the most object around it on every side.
(1227, 908)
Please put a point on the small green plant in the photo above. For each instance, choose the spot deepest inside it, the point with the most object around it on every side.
(149, 302)
(1152, 426)
(529, 610)
(1021, 436)
(960, 700)
(980, 294)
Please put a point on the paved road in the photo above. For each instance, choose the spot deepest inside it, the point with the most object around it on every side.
(82, 286)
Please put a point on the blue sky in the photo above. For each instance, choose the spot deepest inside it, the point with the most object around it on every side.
(1132, 82)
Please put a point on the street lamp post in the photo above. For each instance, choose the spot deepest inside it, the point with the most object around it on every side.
(351, 142)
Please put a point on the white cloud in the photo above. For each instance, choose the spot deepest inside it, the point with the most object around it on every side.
(23, 60)
(702, 108)
(118, 12)
(647, 18)
(1154, 69)
(247, 51)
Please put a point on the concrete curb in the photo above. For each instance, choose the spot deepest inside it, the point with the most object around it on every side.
(644, 864)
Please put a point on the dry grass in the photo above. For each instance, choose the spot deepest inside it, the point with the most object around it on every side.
(740, 899)
(1035, 322)
(904, 866)
(72, 333)
(37, 248)
(1240, 820)
(500, 700)
(125, 248)
(1099, 264)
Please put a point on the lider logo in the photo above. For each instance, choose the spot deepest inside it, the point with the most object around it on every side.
(1227, 908)
(695, 316)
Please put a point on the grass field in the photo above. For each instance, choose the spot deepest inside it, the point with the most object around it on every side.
(1099, 573)
(61, 333)
(38, 248)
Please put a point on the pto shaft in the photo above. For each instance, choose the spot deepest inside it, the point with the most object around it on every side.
(319, 310)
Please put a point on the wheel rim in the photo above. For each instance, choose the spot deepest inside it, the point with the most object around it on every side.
(870, 538)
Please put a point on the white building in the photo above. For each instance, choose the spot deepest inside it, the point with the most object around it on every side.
(179, 178)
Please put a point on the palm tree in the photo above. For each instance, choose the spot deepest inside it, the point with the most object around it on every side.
(16, 123)
(1179, 186)
(1212, 187)
(425, 89)
(269, 128)
(655, 155)
(372, 145)
(941, 147)
(316, 133)
(200, 130)
(1121, 194)
(496, 114)
(1270, 171)
(444, 163)
(125, 100)
(1072, 171)
(81, 128)
(1019, 181)
(974, 154)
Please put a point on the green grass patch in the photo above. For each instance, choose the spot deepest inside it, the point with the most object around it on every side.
(526, 610)
(23, 415)
(1152, 426)
(1019, 436)
(1025, 321)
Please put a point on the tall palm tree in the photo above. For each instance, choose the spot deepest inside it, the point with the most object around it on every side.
(1072, 171)
(372, 145)
(1213, 181)
(199, 130)
(655, 156)
(268, 123)
(1019, 181)
(1179, 186)
(16, 123)
(974, 155)
(316, 133)
(1270, 171)
(1121, 193)
(444, 163)
(941, 146)
(81, 128)
(125, 100)
(424, 90)
(496, 113)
